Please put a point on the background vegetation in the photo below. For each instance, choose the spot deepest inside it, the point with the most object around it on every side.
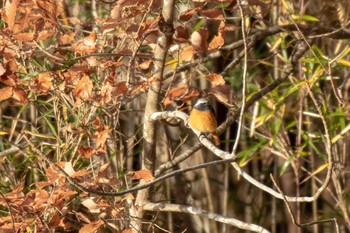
(90, 140)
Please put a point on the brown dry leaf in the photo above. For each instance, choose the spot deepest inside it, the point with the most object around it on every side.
(86, 152)
(20, 95)
(120, 89)
(190, 95)
(143, 175)
(10, 13)
(199, 40)
(12, 66)
(48, 9)
(91, 206)
(86, 45)
(82, 217)
(127, 230)
(128, 196)
(43, 82)
(98, 125)
(55, 220)
(15, 196)
(60, 196)
(6, 93)
(91, 227)
(105, 95)
(213, 13)
(217, 42)
(187, 15)
(2, 69)
(222, 93)
(36, 200)
(145, 65)
(143, 86)
(66, 224)
(104, 168)
(187, 54)
(174, 94)
(45, 34)
(116, 12)
(182, 34)
(215, 79)
(67, 167)
(53, 175)
(24, 36)
(102, 137)
(83, 89)
(66, 39)
(80, 173)
(9, 80)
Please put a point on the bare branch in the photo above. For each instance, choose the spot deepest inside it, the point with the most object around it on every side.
(203, 213)
(244, 88)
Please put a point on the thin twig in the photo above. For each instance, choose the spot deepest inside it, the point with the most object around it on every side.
(136, 188)
(244, 88)
(49, 54)
(291, 214)
(11, 214)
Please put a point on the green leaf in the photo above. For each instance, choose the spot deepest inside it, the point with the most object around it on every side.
(199, 25)
(285, 166)
(305, 17)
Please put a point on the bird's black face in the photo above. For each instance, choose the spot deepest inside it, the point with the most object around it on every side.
(202, 105)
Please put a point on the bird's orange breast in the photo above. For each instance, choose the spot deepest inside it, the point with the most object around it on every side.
(203, 121)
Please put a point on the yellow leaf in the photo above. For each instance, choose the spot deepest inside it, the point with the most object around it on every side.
(344, 62)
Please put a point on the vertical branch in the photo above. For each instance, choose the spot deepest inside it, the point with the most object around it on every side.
(245, 67)
(149, 127)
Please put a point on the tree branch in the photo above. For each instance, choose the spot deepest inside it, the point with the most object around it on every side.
(203, 213)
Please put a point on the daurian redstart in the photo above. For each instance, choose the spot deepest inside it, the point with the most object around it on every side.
(202, 118)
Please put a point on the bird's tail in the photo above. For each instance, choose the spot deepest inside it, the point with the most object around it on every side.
(215, 138)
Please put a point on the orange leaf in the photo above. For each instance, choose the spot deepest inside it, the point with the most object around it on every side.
(102, 137)
(86, 45)
(187, 15)
(86, 152)
(91, 206)
(91, 227)
(145, 65)
(45, 34)
(2, 69)
(43, 83)
(175, 93)
(222, 93)
(20, 95)
(66, 39)
(182, 33)
(6, 93)
(24, 36)
(215, 79)
(10, 13)
(199, 40)
(83, 89)
(217, 42)
(120, 89)
(143, 175)
(213, 13)
(81, 173)
(187, 54)
(127, 230)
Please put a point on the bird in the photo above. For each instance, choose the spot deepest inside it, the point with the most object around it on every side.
(202, 119)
